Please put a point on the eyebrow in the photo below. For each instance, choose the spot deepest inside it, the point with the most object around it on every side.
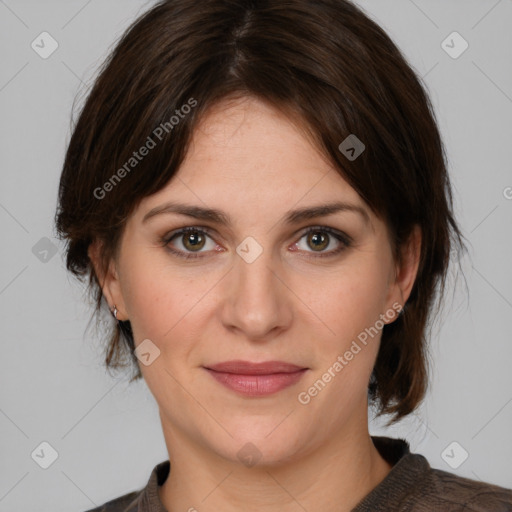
(291, 217)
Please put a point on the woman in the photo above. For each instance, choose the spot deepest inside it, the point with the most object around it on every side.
(258, 192)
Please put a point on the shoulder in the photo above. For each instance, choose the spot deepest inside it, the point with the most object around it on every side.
(144, 499)
(452, 493)
(126, 503)
(413, 485)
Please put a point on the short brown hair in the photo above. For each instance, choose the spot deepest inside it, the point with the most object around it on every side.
(324, 62)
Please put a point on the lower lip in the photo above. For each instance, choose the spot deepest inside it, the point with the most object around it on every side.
(257, 385)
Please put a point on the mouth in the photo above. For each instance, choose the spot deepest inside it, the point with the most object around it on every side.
(256, 379)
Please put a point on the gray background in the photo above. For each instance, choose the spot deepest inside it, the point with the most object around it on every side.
(107, 433)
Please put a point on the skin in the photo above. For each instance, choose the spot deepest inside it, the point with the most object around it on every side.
(250, 161)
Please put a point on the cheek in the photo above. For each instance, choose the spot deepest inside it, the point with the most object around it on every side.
(350, 308)
(152, 300)
(161, 301)
(354, 301)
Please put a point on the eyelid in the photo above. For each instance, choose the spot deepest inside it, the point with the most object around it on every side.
(340, 236)
(201, 229)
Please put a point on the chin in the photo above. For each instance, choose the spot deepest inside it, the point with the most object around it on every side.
(264, 441)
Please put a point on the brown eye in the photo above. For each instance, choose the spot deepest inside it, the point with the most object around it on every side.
(193, 240)
(323, 242)
(189, 242)
(318, 240)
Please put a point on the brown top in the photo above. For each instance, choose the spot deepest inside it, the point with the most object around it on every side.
(411, 486)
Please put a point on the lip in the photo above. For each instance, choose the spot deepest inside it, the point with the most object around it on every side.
(240, 367)
(256, 379)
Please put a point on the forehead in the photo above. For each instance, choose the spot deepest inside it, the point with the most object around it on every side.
(248, 159)
(249, 143)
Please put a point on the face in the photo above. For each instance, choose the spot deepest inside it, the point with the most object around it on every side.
(257, 283)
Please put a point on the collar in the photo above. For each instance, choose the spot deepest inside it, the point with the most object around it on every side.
(407, 470)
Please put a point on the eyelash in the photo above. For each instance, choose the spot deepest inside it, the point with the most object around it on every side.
(345, 240)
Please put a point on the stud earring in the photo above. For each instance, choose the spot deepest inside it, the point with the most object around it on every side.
(114, 312)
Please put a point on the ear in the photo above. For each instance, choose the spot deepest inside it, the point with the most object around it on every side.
(406, 270)
(109, 279)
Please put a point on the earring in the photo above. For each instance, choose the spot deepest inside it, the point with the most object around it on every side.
(114, 312)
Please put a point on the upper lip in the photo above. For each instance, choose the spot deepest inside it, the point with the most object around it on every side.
(239, 367)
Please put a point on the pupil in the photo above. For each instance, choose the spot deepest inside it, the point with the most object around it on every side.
(194, 239)
(318, 237)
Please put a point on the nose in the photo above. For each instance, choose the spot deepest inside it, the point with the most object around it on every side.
(257, 301)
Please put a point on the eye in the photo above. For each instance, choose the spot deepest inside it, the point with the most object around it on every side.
(320, 238)
(189, 240)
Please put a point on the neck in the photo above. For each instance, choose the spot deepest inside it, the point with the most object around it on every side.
(331, 477)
